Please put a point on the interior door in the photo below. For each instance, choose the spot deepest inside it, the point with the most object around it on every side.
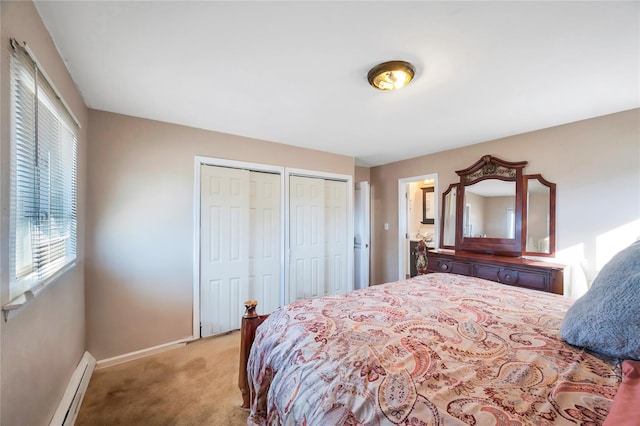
(306, 238)
(335, 231)
(406, 247)
(224, 247)
(362, 215)
(264, 237)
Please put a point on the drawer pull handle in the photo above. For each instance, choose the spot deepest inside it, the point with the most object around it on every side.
(444, 267)
(508, 277)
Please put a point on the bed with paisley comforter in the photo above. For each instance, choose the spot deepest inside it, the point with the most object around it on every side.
(437, 349)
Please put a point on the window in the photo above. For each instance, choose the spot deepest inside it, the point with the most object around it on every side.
(43, 178)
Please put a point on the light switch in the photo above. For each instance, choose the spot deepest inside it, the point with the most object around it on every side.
(386, 226)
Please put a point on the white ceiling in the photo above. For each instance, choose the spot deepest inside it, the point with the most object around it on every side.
(295, 72)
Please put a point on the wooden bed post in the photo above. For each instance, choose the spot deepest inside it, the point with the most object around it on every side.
(250, 322)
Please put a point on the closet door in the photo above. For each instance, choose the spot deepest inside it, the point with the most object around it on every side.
(335, 237)
(306, 238)
(318, 238)
(224, 248)
(264, 237)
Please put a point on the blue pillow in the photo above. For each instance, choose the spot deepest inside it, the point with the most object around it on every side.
(606, 319)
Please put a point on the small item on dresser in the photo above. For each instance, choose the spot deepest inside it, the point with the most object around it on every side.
(421, 257)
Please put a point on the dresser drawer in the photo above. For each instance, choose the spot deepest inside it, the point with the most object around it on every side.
(520, 278)
(513, 271)
(450, 266)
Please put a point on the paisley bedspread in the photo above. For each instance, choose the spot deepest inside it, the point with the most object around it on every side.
(437, 349)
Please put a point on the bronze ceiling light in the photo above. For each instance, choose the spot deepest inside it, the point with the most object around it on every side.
(391, 75)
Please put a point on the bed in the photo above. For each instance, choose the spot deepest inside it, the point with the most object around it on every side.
(434, 349)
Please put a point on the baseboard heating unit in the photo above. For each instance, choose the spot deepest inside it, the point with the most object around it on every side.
(69, 406)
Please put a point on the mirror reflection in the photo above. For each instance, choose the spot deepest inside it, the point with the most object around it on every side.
(489, 209)
(538, 217)
(449, 217)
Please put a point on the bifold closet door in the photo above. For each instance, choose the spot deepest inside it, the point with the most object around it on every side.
(224, 247)
(317, 237)
(264, 240)
(306, 238)
(239, 245)
(335, 237)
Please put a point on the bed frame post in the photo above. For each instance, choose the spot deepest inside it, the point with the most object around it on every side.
(250, 322)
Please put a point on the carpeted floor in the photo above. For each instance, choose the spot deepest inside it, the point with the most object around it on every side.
(193, 385)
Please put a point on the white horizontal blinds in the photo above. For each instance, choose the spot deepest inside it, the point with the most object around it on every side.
(23, 154)
(44, 170)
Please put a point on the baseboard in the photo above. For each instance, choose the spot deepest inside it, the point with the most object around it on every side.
(69, 405)
(108, 362)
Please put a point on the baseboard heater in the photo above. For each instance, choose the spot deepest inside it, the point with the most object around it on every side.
(69, 406)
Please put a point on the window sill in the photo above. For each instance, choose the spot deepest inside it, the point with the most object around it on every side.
(12, 308)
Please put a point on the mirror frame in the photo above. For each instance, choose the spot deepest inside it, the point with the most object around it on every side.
(442, 216)
(552, 216)
(427, 220)
(489, 167)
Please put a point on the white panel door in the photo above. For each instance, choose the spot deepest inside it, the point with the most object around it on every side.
(362, 213)
(264, 237)
(224, 248)
(336, 243)
(306, 238)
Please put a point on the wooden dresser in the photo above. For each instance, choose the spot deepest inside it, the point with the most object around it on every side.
(515, 271)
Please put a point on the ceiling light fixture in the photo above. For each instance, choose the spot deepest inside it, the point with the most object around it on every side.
(391, 75)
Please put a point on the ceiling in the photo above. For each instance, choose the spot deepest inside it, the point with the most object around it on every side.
(295, 72)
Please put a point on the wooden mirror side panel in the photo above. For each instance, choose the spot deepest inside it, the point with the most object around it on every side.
(552, 217)
(448, 218)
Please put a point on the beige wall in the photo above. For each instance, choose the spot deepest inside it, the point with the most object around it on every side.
(42, 345)
(362, 174)
(139, 240)
(140, 223)
(595, 164)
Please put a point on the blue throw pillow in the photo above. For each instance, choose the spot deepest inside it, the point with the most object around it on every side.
(607, 318)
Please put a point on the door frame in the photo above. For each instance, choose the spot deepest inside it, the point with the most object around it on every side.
(367, 242)
(320, 175)
(220, 162)
(402, 216)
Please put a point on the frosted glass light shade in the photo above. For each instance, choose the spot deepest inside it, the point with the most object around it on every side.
(391, 75)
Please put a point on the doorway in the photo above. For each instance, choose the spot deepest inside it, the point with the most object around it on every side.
(412, 211)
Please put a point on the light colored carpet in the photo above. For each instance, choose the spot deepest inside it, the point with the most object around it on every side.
(193, 385)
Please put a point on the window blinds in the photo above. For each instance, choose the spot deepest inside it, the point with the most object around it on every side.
(43, 177)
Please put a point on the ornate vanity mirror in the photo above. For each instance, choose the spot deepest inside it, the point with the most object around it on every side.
(492, 217)
(495, 209)
(489, 207)
(448, 222)
(539, 218)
